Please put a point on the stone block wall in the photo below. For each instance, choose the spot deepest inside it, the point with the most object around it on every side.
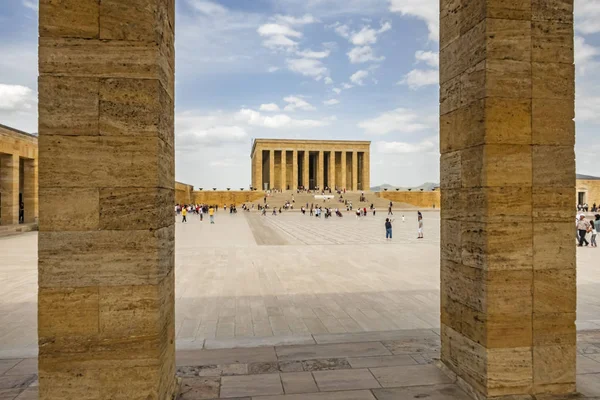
(423, 199)
(221, 197)
(183, 193)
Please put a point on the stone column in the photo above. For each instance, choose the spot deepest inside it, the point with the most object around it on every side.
(508, 289)
(283, 170)
(271, 169)
(332, 170)
(30, 190)
(306, 177)
(106, 190)
(257, 176)
(344, 164)
(321, 171)
(366, 177)
(9, 181)
(354, 170)
(294, 184)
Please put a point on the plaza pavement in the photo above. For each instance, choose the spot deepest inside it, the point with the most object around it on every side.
(292, 307)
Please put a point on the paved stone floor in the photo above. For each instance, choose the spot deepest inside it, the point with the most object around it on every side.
(259, 299)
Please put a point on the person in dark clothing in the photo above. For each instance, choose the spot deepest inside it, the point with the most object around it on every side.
(388, 229)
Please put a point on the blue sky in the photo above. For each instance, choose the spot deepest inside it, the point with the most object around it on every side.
(314, 69)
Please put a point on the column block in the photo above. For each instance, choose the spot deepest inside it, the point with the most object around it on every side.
(321, 170)
(344, 169)
(332, 182)
(106, 190)
(305, 173)
(284, 182)
(9, 181)
(507, 175)
(271, 169)
(294, 184)
(354, 170)
(30, 190)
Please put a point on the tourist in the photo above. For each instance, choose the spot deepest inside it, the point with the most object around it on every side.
(21, 212)
(373, 211)
(390, 210)
(184, 214)
(211, 214)
(403, 218)
(583, 227)
(388, 229)
(201, 212)
(595, 226)
(420, 236)
(274, 211)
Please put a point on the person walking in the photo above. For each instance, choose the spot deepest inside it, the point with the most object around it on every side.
(595, 226)
(388, 229)
(583, 227)
(184, 214)
(390, 210)
(373, 211)
(420, 236)
(211, 214)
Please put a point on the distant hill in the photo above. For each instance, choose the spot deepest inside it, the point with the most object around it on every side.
(427, 186)
(588, 177)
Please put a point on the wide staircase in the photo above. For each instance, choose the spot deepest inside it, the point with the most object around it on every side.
(279, 199)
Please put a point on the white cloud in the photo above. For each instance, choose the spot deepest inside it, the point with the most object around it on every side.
(307, 67)
(587, 109)
(278, 30)
(331, 102)
(314, 54)
(420, 77)
(208, 7)
(213, 130)
(297, 103)
(587, 16)
(224, 163)
(424, 146)
(290, 20)
(271, 107)
(273, 69)
(341, 29)
(337, 90)
(399, 120)
(585, 55)
(347, 86)
(363, 54)
(368, 35)
(428, 57)
(16, 98)
(33, 5)
(328, 81)
(427, 10)
(359, 76)
(278, 121)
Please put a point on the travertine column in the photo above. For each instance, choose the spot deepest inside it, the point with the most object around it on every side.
(508, 174)
(294, 184)
(332, 170)
(305, 174)
(106, 179)
(257, 176)
(9, 181)
(344, 164)
(283, 170)
(30, 190)
(271, 169)
(321, 171)
(366, 177)
(354, 170)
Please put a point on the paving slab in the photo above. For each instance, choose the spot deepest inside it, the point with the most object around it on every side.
(9, 394)
(586, 365)
(298, 382)
(435, 392)
(589, 385)
(374, 336)
(16, 381)
(252, 341)
(199, 388)
(346, 395)
(225, 356)
(31, 393)
(251, 385)
(332, 351)
(6, 365)
(28, 366)
(346, 379)
(410, 376)
(381, 361)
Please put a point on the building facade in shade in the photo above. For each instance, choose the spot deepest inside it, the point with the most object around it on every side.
(18, 177)
(286, 164)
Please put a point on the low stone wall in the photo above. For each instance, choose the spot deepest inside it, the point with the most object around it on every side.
(418, 199)
(183, 193)
(237, 197)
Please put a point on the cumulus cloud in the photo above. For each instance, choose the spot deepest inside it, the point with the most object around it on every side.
(208, 7)
(359, 76)
(368, 35)
(271, 107)
(424, 146)
(347, 86)
(419, 77)
(328, 81)
(587, 109)
(331, 102)
(214, 130)
(337, 90)
(363, 54)
(587, 16)
(33, 5)
(426, 10)
(290, 20)
(399, 120)
(428, 57)
(307, 67)
(314, 54)
(297, 103)
(273, 69)
(279, 37)
(341, 29)
(585, 55)
(16, 98)
(278, 121)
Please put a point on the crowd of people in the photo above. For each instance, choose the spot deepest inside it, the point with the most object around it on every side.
(586, 208)
(585, 228)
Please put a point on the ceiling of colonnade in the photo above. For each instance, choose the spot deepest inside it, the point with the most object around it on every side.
(314, 69)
